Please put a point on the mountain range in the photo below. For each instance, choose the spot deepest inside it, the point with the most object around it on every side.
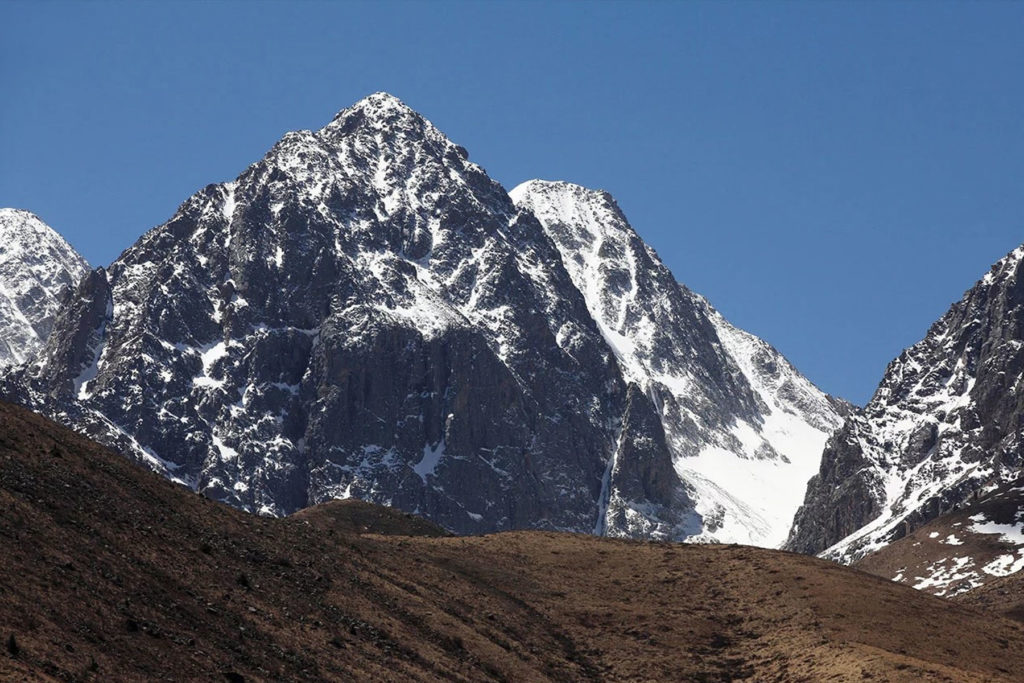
(365, 314)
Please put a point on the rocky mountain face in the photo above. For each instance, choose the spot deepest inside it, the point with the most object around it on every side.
(37, 269)
(365, 314)
(943, 427)
(739, 420)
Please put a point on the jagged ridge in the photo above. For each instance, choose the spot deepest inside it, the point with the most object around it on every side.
(943, 426)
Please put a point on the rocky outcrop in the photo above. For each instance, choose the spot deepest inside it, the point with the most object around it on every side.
(641, 478)
(73, 348)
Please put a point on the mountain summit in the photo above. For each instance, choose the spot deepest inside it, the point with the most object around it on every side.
(37, 268)
(364, 313)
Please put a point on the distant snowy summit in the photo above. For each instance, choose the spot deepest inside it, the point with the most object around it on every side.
(37, 268)
(365, 313)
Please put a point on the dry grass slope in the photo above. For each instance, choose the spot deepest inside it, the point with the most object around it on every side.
(111, 573)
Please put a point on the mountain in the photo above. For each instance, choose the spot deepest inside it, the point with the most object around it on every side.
(37, 268)
(111, 572)
(738, 418)
(365, 314)
(943, 428)
(959, 551)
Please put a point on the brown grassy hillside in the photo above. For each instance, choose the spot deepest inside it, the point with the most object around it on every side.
(111, 573)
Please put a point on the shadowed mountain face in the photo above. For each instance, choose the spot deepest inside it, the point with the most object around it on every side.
(943, 426)
(365, 314)
(112, 573)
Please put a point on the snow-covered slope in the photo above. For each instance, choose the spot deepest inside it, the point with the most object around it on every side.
(745, 428)
(943, 426)
(37, 267)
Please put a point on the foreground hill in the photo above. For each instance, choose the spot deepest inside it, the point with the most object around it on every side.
(111, 572)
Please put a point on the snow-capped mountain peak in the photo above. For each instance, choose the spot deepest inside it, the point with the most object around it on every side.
(37, 267)
(745, 428)
(365, 313)
(361, 313)
(382, 111)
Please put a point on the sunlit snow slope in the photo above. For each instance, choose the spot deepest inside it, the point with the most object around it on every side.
(37, 267)
(745, 428)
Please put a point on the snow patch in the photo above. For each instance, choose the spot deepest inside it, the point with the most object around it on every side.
(226, 452)
(428, 463)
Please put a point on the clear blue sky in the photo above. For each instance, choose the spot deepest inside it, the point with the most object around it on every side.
(831, 176)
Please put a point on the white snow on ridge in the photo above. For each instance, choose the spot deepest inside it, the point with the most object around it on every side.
(1008, 533)
(927, 389)
(37, 266)
(955, 574)
(749, 480)
(949, 577)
